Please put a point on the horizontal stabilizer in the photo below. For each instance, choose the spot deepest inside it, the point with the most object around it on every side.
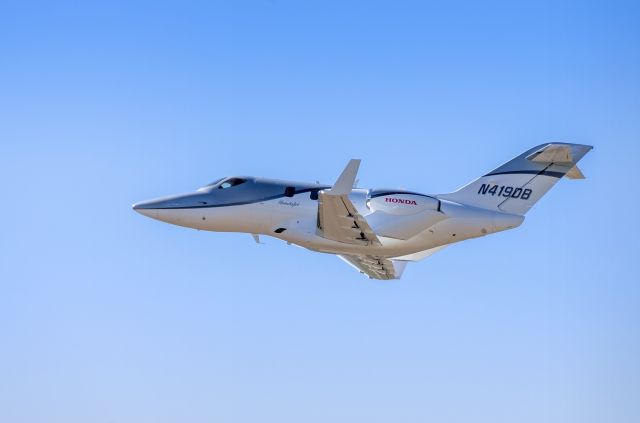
(575, 173)
(554, 153)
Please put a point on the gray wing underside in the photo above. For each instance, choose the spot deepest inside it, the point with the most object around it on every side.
(386, 268)
(376, 267)
(339, 220)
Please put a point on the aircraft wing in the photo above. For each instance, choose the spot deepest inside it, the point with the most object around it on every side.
(386, 268)
(376, 267)
(338, 219)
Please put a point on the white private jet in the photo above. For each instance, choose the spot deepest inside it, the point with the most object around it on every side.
(377, 231)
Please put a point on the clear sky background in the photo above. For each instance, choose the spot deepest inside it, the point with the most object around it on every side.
(107, 316)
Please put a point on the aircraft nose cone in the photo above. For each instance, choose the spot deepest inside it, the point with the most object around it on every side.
(168, 209)
(147, 208)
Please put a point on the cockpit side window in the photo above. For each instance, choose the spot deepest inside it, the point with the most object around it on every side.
(231, 182)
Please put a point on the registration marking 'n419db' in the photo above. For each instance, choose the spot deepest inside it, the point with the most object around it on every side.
(505, 191)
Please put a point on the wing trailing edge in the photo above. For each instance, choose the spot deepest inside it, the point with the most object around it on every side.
(376, 267)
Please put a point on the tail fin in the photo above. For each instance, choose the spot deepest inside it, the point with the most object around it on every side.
(518, 184)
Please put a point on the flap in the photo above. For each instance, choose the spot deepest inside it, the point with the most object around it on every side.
(339, 220)
(376, 267)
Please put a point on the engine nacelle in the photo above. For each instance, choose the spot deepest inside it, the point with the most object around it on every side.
(402, 214)
(398, 202)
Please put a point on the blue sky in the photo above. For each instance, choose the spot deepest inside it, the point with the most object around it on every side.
(106, 316)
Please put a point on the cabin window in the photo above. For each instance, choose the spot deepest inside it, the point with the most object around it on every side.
(289, 191)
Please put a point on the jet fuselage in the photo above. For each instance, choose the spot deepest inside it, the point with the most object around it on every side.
(377, 231)
(288, 210)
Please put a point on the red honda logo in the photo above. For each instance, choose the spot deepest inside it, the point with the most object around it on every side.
(400, 201)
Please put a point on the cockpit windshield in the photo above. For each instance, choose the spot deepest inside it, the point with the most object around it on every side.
(216, 182)
(224, 183)
(231, 182)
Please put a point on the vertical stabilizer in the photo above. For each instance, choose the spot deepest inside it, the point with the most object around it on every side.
(518, 184)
